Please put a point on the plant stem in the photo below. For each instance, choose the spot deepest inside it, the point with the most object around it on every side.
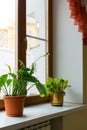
(40, 57)
(30, 87)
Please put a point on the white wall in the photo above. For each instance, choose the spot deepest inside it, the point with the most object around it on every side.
(67, 52)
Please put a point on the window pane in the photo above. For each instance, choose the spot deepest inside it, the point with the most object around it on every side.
(7, 34)
(41, 65)
(36, 25)
(37, 17)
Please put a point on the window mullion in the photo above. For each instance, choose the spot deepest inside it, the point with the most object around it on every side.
(22, 44)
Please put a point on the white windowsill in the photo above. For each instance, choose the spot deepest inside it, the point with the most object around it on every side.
(36, 114)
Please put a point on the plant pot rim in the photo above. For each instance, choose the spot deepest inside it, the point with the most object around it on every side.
(57, 92)
(14, 96)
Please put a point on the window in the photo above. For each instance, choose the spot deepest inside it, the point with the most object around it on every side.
(7, 34)
(36, 32)
(37, 37)
(32, 32)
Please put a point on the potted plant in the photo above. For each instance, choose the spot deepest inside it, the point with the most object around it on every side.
(55, 88)
(14, 87)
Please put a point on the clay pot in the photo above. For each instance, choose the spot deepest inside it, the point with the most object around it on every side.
(14, 105)
(57, 99)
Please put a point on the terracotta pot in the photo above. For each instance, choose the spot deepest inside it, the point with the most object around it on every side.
(14, 105)
(57, 99)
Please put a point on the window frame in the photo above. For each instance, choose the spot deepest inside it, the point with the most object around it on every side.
(22, 43)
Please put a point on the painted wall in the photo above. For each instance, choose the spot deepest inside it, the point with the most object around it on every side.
(75, 121)
(68, 63)
(67, 52)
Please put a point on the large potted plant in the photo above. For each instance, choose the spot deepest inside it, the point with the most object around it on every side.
(55, 87)
(14, 87)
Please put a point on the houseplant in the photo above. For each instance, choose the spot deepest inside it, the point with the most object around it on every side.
(14, 87)
(55, 88)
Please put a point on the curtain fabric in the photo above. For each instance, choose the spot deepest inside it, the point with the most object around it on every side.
(78, 12)
(84, 3)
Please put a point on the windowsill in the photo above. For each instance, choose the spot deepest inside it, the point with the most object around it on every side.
(36, 114)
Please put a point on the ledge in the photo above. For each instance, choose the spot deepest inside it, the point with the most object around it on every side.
(36, 114)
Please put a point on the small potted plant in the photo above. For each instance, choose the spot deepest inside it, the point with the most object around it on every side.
(14, 87)
(55, 88)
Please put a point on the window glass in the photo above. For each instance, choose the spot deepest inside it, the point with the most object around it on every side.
(37, 33)
(7, 34)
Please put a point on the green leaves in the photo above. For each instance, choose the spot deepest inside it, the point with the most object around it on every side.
(56, 85)
(19, 88)
(16, 84)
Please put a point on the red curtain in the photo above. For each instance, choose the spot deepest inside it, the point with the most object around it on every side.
(79, 14)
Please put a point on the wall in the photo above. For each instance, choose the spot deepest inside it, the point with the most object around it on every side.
(75, 121)
(67, 52)
(70, 62)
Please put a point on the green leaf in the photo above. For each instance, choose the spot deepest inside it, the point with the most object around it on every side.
(40, 87)
(3, 80)
(21, 63)
(13, 75)
(9, 67)
(15, 82)
(9, 81)
(32, 69)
